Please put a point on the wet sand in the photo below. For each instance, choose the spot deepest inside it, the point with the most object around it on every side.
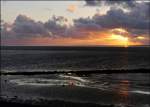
(64, 95)
(54, 103)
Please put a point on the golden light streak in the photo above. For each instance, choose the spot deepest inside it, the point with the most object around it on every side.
(140, 37)
(120, 30)
(120, 39)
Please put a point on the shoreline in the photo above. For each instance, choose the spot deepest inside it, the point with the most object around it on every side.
(70, 95)
(76, 72)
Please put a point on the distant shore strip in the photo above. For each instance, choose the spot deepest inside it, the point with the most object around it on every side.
(82, 72)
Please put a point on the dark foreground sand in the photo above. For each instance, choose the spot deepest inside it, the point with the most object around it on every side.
(55, 103)
(16, 95)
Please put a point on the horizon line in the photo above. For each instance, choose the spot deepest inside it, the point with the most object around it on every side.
(74, 46)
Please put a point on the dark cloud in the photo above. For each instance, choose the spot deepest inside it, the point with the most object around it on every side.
(86, 24)
(6, 32)
(124, 3)
(115, 18)
(56, 26)
(141, 10)
(136, 21)
(24, 26)
(118, 18)
(93, 2)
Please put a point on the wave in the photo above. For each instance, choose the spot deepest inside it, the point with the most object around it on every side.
(141, 92)
(66, 80)
(75, 78)
(91, 71)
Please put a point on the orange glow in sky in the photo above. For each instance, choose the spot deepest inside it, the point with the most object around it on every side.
(102, 38)
(99, 38)
(119, 30)
(120, 39)
(140, 37)
(113, 37)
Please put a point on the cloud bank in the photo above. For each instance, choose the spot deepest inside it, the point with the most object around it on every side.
(136, 22)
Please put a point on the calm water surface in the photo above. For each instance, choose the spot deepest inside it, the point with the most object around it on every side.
(76, 59)
(125, 89)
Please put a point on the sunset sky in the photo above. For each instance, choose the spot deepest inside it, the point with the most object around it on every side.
(69, 23)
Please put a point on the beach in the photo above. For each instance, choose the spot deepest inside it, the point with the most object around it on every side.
(72, 90)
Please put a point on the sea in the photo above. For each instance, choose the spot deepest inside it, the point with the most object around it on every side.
(129, 89)
(74, 58)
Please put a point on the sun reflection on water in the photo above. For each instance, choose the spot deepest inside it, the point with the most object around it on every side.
(123, 91)
(124, 88)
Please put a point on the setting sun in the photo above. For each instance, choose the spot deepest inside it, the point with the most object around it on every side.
(122, 40)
